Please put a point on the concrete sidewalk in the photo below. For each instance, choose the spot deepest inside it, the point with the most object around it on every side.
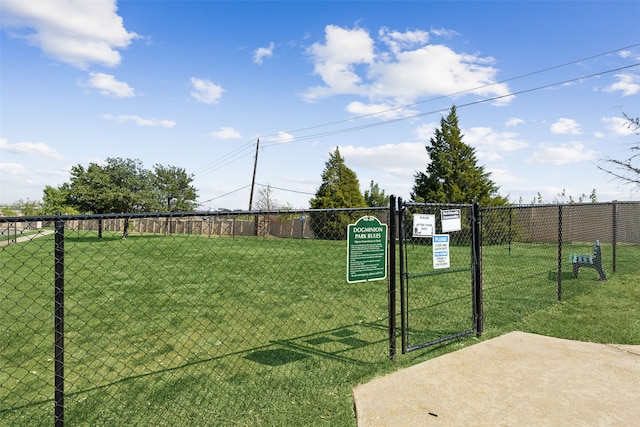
(518, 379)
(26, 238)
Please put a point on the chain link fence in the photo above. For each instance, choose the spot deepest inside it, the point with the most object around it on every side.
(183, 319)
(526, 253)
(246, 318)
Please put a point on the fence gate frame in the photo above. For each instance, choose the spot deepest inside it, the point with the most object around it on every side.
(476, 303)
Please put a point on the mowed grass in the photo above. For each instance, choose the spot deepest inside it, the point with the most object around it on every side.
(188, 330)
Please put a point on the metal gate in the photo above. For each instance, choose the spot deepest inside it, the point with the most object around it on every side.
(440, 273)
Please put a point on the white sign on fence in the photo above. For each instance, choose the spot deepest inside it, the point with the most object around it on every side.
(441, 258)
(424, 225)
(450, 220)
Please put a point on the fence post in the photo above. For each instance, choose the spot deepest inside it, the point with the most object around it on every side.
(614, 240)
(401, 237)
(392, 277)
(559, 274)
(59, 323)
(476, 247)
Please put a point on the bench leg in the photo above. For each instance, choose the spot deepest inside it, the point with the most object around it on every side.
(576, 270)
(600, 271)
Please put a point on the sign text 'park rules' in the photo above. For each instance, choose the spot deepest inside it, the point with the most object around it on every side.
(366, 250)
(441, 258)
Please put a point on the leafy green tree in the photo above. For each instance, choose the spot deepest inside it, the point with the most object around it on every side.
(7, 211)
(27, 207)
(374, 196)
(119, 186)
(340, 188)
(174, 188)
(453, 174)
(55, 201)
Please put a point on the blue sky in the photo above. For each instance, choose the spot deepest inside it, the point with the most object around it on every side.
(540, 87)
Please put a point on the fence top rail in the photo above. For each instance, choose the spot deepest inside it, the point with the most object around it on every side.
(132, 215)
(555, 205)
(449, 205)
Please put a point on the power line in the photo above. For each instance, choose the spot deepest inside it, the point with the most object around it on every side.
(225, 194)
(460, 92)
(286, 189)
(245, 150)
(413, 116)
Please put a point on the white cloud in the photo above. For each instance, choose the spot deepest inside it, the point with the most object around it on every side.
(107, 85)
(336, 58)
(226, 133)
(76, 32)
(280, 137)
(140, 121)
(628, 84)
(398, 41)
(350, 63)
(205, 91)
(381, 111)
(426, 131)
(566, 127)
(401, 160)
(263, 52)
(14, 169)
(570, 152)
(502, 176)
(31, 149)
(491, 144)
(513, 122)
(444, 32)
(618, 125)
(629, 54)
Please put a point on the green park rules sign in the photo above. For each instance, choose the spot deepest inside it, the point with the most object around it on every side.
(366, 250)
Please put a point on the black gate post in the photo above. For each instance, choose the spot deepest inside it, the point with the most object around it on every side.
(392, 277)
(59, 323)
(614, 239)
(478, 310)
(403, 309)
(559, 253)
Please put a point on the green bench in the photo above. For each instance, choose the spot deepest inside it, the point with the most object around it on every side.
(590, 261)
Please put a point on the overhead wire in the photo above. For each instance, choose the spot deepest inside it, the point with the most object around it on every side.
(246, 149)
(401, 107)
(413, 116)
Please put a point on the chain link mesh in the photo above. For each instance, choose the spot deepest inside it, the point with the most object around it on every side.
(526, 253)
(186, 319)
(438, 302)
(247, 318)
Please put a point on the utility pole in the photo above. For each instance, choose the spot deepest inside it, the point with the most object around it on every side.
(255, 166)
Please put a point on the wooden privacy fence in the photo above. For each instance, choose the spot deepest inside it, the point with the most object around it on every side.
(259, 225)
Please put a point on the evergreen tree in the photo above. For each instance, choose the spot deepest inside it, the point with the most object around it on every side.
(453, 175)
(339, 189)
(374, 196)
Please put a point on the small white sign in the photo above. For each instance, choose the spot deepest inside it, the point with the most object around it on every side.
(424, 225)
(441, 258)
(450, 220)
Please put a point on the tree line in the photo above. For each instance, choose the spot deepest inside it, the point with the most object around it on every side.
(117, 186)
(452, 176)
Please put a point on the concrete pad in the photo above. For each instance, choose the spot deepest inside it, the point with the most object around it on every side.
(517, 379)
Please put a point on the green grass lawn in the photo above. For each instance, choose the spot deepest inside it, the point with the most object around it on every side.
(189, 330)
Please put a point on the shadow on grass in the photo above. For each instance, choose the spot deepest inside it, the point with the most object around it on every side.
(334, 344)
(565, 275)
